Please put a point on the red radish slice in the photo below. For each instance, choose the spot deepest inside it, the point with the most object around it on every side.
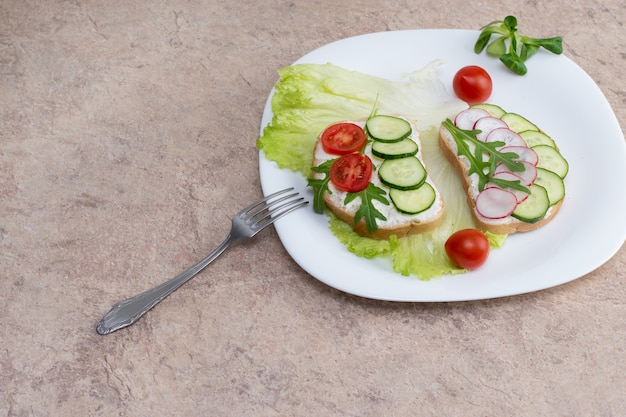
(507, 136)
(495, 203)
(528, 175)
(465, 120)
(520, 196)
(509, 176)
(487, 124)
(525, 153)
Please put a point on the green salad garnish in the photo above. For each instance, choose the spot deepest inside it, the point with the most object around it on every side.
(510, 47)
(309, 97)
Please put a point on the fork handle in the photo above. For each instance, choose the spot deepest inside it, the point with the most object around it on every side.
(128, 311)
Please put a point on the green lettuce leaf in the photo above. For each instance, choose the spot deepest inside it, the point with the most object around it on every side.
(309, 97)
(357, 244)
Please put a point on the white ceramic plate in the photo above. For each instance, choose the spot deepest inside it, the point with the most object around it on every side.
(555, 93)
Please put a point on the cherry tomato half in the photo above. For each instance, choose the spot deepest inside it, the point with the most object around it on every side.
(472, 84)
(352, 172)
(468, 248)
(343, 138)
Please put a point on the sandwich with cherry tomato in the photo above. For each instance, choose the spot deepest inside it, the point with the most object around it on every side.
(372, 176)
(513, 172)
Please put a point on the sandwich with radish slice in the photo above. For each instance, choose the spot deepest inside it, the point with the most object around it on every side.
(513, 172)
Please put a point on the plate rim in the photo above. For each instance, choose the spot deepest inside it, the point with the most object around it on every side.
(282, 226)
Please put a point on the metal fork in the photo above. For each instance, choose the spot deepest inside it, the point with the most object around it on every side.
(245, 224)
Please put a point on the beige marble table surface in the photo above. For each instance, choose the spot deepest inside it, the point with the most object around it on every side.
(127, 139)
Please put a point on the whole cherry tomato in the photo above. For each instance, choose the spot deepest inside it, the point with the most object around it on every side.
(472, 84)
(468, 248)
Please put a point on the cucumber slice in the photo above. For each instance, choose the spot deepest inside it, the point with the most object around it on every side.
(535, 207)
(403, 174)
(551, 159)
(518, 123)
(394, 150)
(535, 137)
(552, 183)
(492, 109)
(388, 128)
(413, 201)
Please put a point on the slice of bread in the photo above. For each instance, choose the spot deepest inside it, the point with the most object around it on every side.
(397, 223)
(507, 225)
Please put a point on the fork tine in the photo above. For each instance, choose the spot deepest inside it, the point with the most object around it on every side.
(276, 213)
(264, 199)
(267, 205)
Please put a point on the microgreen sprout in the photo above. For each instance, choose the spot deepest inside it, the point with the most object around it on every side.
(512, 48)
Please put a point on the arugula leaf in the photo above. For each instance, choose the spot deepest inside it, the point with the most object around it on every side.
(367, 211)
(520, 48)
(485, 168)
(319, 186)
